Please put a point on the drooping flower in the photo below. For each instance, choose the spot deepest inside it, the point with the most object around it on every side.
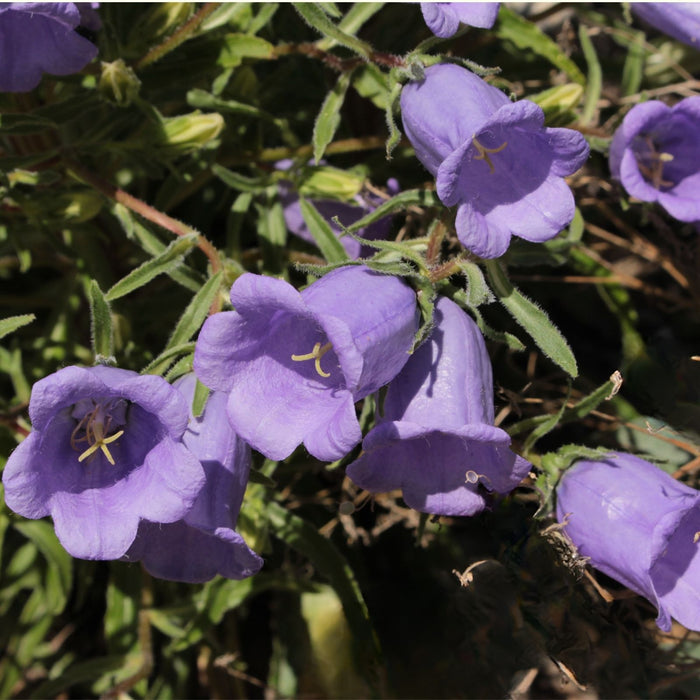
(204, 543)
(105, 452)
(680, 20)
(443, 18)
(37, 38)
(347, 214)
(295, 363)
(436, 439)
(655, 153)
(639, 526)
(492, 158)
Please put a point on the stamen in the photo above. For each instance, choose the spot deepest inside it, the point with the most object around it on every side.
(96, 425)
(654, 173)
(316, 354)
(696, 537)
(101, 444)
(485, 153)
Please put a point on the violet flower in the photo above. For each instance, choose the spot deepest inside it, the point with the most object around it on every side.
(37, 38)
(680, 20)
(436, 439)
(443, 18)
(204, 543)
(639, 526)
(103, 454)
(295, 363)
(655, 153)
(347, 214)
(492, 158)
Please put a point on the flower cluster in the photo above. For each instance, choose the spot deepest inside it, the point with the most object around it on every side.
(639, 526)
(40, 37)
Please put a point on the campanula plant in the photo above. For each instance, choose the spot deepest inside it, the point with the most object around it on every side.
(639, 526)
(655, 154)
(38, 38)
(294, 364)
(435, 439)
(493, 159)
(204, 543)
(105, 452)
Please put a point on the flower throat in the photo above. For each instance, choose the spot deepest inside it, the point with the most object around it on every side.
(93, 428)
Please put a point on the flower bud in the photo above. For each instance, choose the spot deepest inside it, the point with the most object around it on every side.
(118, 83)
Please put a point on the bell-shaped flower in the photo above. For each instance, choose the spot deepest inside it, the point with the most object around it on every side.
(295, 363)
(655, 153)
(443, 18)
(105, 452)
(38, 38)
(204, 543)
(492, 158)
(680, 20)
(435, 439)
(639, 526)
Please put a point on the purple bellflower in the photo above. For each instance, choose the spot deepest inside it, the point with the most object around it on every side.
(204, 543)
(680, 20)
(492, 158)
(295, 363)
(37, 38)
(105, 452)
(655, 153)
(436, 439)
(443, 18)
(347, 214)
(639, 526)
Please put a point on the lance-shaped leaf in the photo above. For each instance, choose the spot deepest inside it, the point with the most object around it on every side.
(318, 19)
(11, 324)
(329, 244)
(100, 324)
(328, 118)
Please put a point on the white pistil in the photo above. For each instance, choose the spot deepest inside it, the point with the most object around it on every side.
(486, 153)
(316, 354)
(101, 443)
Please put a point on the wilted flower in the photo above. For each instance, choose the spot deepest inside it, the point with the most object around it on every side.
(436, 439)
(204, 543)
(492, 158)
(37, 38)
(639, 526)
(444, 18)
(295, 363)
(655, 153)
(680, 20)
(103, 454)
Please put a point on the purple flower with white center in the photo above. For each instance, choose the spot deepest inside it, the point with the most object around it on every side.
(443, 18)
(347, 214)
(105, 452)
(37, 38)
(295, 363)
(655, 153)
(436, 439)
(639, 526)
(204, 543)
(492, 158)
(680, 20)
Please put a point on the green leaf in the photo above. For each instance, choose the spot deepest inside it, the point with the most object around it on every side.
(633, 70)
(83, 672)
(100, 324)
(199, 400)
(371, 83)
(12, 323)
(166, 261)
(595, 76)
(238, 46)
(532, 318)
(196, 311)
(305, 538)
(204, 100)
(477, 291)
(328, 118)
(317, 18)
(525, 35)
(239, 182)
(163, 361)
(422, 198)
(328, 243)
(23, 123)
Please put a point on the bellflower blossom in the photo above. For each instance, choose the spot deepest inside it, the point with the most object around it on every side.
(105, 452)
(204, 543)
(295, 363)
(680, 20)
(443, 18)
(37, 38)
(436, 439)
(492, 158)
(347, 213)
(639, 526)
(655, 153)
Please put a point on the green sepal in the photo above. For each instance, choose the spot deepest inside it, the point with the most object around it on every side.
(314, 15)
(199, 400)
(196, 311)
(328, 118)
(101, 331)
(328, 243)
(12, 323)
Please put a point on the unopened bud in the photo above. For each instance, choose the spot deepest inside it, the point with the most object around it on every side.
(118, 83)
(325, 182)
(190, 132)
